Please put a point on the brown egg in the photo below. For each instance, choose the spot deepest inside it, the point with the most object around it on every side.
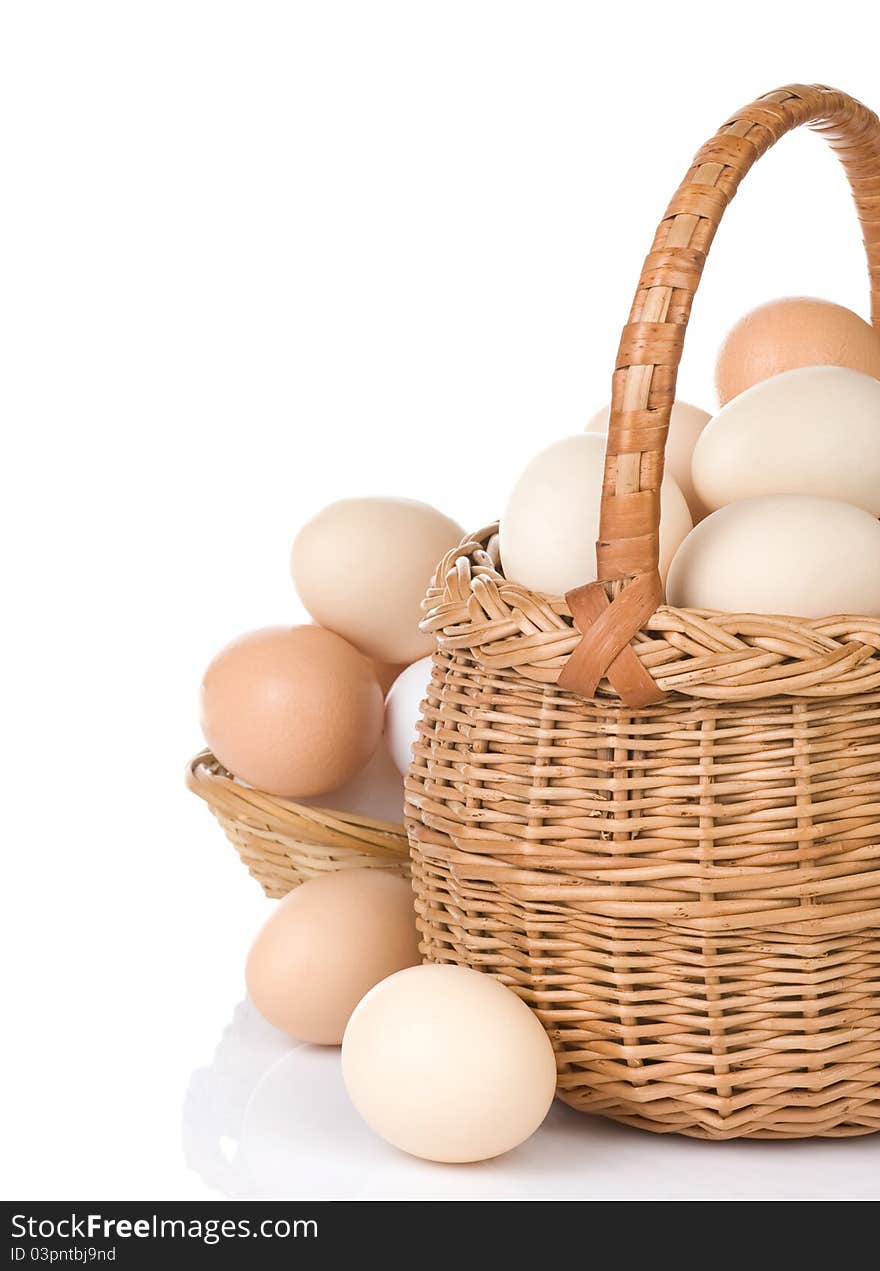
(293, 711)
(375, 792)
(786, 334)
(387, 673)
(326, 945)
(362, 567)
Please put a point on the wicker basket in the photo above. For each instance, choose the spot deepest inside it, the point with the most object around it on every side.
(284, 843)
(661, 827)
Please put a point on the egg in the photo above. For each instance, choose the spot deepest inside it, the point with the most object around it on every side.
(293, 711)
(797, 331)
(815, 430)
(685, 425)
(791, 554)
(376, 791)
(362, 567)
(447, 1064)
(387, 673)
(403, 708)
(326, 944)
(551, 522)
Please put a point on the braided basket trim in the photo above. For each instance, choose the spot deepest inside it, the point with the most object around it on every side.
(700, 653)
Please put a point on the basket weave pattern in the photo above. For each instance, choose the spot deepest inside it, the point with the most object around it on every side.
(284, 843)
(661, 827)
(696, 653)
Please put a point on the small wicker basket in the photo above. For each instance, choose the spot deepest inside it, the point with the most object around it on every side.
(283, 843)
(661, 827)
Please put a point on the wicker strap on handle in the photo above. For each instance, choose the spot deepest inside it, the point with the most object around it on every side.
(612, 611)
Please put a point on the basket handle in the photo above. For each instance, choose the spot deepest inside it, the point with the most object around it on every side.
(610, 613)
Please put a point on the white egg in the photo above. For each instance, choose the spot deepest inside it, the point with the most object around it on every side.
(792, 554)
(448, 1064)
(685, 425)
(815, 430)
(551, 522)
(402, 711)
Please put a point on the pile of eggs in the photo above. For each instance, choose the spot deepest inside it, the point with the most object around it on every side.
(770, 506)
(301, 713)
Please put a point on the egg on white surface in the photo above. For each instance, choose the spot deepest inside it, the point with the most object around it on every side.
(551, 522)
(814, 430)
(325, 945)
(685, 425)
(402, 710)
(448, 1064)
(791, 554)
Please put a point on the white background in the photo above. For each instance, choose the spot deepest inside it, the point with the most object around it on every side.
(257, 256)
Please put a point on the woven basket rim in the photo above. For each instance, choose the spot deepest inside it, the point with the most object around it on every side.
(206, 777)
(472, 607)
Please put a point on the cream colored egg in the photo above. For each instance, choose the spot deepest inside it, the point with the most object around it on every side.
(326, 944)
(403, 708)
(685, 425)
(448, 1064)
(362, 567)
(815, 430)
(792, 554)
(551, 522)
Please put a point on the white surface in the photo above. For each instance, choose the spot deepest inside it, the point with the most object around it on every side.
(272, 1120)
(257, 256)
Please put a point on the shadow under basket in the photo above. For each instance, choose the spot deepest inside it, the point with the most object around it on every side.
(661, 826)
(284, 843)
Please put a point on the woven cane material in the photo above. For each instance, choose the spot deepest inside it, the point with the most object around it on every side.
(686, 892)
(688, 895)
(284, 843)
(472, 607)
